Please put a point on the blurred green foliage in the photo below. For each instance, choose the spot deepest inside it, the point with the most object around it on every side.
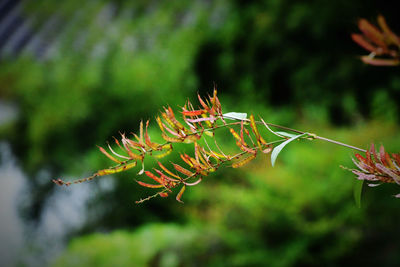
(293, 63)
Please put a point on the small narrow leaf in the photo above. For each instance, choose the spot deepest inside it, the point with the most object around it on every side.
(164, 154)
(255, 130)
(168, 171)
(116, 169)
(193, 113)
(182, 170)
(243, 161)
(357, 192)
(279, 148)
(102, 150)
(178, 197)
(150, 185)
(235, 116)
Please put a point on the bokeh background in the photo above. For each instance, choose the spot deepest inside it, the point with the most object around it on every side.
(75, 73)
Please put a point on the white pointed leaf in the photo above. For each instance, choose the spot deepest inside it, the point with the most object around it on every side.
(286, 134)
(235, 116)
(279, 148)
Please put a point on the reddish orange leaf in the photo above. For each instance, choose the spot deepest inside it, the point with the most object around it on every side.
(149, 185)
(168, 171)
(163, 176)
(152, 176)
(204, 105)
(182, 170)
(193, 113)
(108, 155)
(186, 159)
(372, 33)
(359, 39)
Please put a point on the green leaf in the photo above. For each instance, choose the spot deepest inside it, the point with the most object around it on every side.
(235, 116)
(357, 192)
(286, 134)
(279, 148)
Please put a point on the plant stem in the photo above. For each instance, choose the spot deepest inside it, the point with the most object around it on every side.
(315, 136)
(340, 143)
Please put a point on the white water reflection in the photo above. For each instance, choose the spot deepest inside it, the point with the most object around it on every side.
(11, 227)
(63, 212)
